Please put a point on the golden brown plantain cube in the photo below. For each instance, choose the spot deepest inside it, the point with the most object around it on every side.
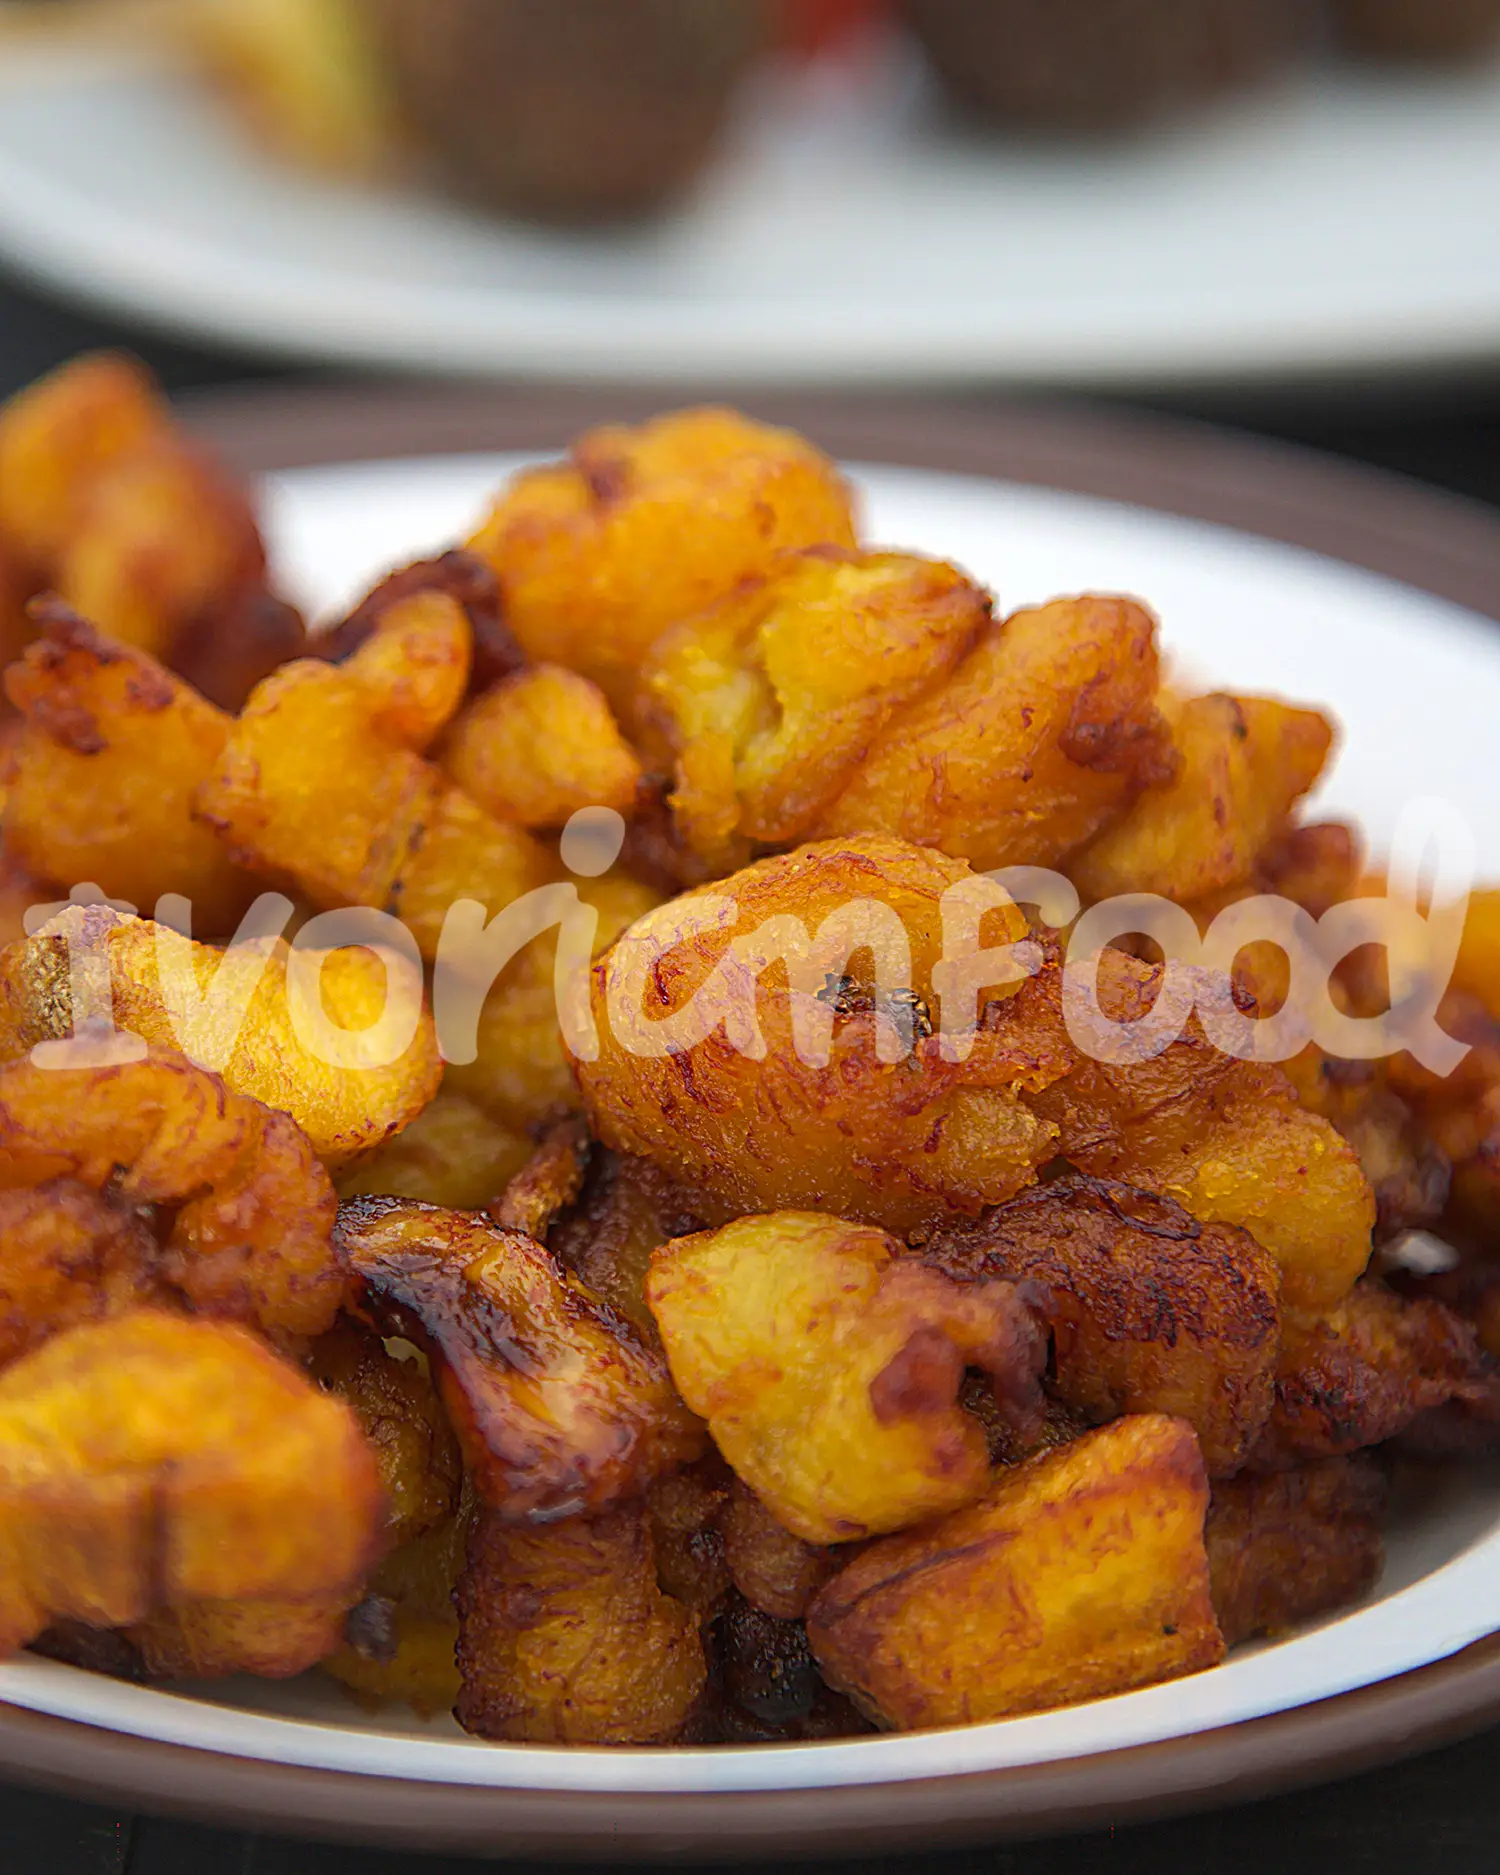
(767, 705)
(253, 1208)
(414, 664)
(628, 1208)
(102, 775)
(559, 1405)
(453, 1153)
(166, 543)
(1244, 763)
(1225, 1138)
(150, 1463)
(274, 1640)
(892, 1138)
(400, 1414)
(1151, 1311)
(566, 1637)
(307, 788)
(1287, 1547)
(540, 745)
(598, 554)
(829, 1370)
(1042, 736)
(1080, 1574)
(775, 1571)
(346, 1109)
(1364, 1372)
(58, 437)
(520, 1072)
(67, 1255)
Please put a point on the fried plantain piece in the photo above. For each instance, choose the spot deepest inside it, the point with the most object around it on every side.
(462, 577)
(829, 1371)
(540, 745)
(548, 1183)
(67, 1255)
(1079, 1574)
(685, 1510)
(767, 705)
(251, 1236)
(57, 438)
(1365, 1371)
(401, 1416)
(111, 749)
(1407, 1170)
(773, 1570)
(346, 1109)
(1043, 735)
(272, 1639)
(1224, 1138)
(627, 1209)
(150, 1463)
(1286, 1547)
(414, 666)
(307, 788)
(453, 1153)
(559, 1405)
(520, 1072)
(402, 1639)
(1151, 1311)
(892, 1141)
(598, 554)
(1243, 764)
(166, 544)
(567, 1638)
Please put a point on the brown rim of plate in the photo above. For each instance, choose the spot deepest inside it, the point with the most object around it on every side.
(1434, 542)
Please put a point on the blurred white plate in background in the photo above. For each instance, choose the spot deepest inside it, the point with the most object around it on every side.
(1343, 222)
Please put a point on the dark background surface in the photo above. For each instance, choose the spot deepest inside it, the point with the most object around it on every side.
(1431, 1816)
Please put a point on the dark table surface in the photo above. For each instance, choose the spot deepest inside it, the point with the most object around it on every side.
(1433, 1815)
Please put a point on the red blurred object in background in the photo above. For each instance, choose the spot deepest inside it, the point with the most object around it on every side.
(809, 28)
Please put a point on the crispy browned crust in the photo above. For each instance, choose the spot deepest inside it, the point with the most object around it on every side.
(548, 1183)
(1365, 1371)
(400, 1414)
(686, 1511)
(565, 1636)
(1080, 1574)
(1227, 1139)
(460, 576)
(1151, 1311)
(251, 1239)
(1285, 1547)
(773, 1570)
(558, 1403)
(628, 1207)
(766, 1664)
(67, 1255)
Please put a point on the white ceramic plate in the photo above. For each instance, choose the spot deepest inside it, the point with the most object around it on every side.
(1417, 684)
(1341, 222)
